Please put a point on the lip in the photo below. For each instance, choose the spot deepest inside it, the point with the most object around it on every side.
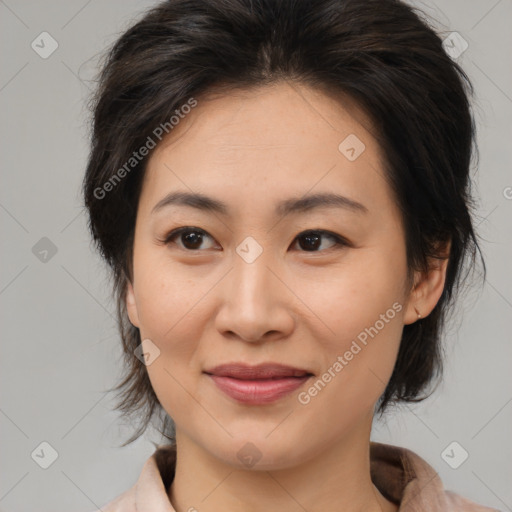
(260, 384)
(244, 371)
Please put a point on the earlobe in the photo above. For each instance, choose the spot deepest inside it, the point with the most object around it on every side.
(131, 305)
(426, 292)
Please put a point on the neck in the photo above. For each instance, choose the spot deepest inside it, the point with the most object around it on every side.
(336, 478)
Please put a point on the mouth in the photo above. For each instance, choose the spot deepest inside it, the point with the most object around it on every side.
(264, 371)
(257, 385)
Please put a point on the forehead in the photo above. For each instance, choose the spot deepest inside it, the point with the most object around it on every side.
(269, 142)
(273, 116)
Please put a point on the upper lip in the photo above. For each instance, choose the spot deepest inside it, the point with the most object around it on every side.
(260, 371)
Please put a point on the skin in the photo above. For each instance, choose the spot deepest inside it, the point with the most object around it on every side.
(294, 304)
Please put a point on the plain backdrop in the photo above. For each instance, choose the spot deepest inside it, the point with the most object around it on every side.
(60, 348)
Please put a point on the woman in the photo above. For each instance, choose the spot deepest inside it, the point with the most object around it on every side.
(281, 189)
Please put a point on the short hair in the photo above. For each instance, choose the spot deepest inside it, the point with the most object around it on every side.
(381, 54)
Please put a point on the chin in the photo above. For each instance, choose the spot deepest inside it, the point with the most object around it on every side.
(259, 452)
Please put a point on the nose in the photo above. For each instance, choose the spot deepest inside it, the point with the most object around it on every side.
(256, 304)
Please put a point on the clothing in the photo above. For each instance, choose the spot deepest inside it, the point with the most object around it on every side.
(401, 475)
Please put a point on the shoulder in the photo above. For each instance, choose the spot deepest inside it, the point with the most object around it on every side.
(150, 490)
(406, 478)
(125, 502)
(457, 502)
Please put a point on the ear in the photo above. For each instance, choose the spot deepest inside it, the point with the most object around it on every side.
(131, 305)
(428, 288)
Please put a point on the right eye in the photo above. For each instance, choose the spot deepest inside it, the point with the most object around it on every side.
(190, 237)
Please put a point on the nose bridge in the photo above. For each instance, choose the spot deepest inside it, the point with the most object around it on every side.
(252, 305)
(251, 275)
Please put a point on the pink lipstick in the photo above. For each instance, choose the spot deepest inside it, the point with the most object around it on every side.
(260, 384)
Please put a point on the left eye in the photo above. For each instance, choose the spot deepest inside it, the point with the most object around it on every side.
(312, 239)
(191, 239)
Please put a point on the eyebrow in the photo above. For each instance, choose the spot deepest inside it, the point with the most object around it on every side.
(284, 207)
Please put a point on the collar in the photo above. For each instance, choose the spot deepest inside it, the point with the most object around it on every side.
(401, 476)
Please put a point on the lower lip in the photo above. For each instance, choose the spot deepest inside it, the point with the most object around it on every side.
(258, 391)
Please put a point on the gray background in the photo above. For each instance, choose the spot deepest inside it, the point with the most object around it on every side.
(60, 349)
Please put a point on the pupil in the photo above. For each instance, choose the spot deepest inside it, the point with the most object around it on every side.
(310, 238)
(193, 238)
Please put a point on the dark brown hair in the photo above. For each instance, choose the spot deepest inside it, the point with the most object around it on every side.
(382, 54)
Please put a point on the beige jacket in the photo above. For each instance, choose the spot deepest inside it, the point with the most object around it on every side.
(400, 475)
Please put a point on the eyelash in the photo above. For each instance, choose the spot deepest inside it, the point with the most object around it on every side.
(340, 242)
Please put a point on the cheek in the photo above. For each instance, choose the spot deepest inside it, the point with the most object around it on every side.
(359, 292)
(362, 306)
(172, 316)
(170, 308)
(167, 298)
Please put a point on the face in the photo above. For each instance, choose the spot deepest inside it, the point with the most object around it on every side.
(320, 287)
